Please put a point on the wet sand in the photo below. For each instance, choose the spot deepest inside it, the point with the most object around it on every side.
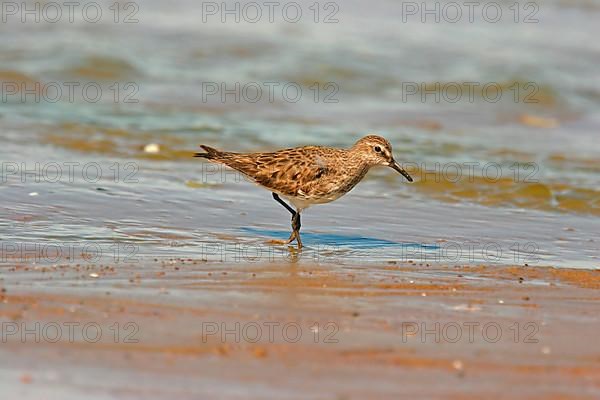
(187, 328)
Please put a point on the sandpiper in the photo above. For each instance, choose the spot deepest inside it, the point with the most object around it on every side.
(309, 175)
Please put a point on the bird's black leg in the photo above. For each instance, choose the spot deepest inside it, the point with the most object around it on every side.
(283, 203)
(295, 223)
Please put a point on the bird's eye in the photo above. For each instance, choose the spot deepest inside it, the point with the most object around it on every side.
(377, 149)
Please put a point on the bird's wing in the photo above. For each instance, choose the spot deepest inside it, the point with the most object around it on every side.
(290, 172)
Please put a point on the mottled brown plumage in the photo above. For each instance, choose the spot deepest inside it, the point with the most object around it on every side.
(311, 174)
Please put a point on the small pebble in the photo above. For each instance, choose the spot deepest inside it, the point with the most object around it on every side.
(457, 365)
(152, 148)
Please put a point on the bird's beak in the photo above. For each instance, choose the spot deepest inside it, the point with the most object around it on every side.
(393, 164)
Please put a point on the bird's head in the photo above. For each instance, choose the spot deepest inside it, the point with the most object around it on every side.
(376, 150)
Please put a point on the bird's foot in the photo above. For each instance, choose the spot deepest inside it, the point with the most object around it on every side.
(295, 236)
(279, 242)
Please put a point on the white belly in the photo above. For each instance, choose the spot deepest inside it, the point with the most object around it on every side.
(303, 203)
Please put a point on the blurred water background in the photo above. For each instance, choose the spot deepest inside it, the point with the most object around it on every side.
(509, 174)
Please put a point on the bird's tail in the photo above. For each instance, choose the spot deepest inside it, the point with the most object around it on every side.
(210, 154)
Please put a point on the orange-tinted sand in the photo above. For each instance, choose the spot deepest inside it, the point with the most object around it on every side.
(301, 331)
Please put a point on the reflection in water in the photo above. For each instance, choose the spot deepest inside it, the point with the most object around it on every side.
(336, 241)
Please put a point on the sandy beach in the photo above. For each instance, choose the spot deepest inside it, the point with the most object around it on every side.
(217, 330)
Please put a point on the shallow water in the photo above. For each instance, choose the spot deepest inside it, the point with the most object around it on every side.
(507, 182)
